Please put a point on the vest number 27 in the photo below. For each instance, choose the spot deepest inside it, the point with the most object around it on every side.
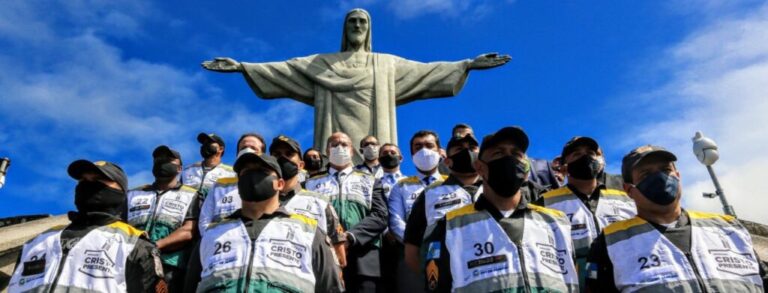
(649, 262)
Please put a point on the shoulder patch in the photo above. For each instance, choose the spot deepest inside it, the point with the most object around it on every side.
(305, 220)
(225, 167)
(188, 188)
(409, 180)
(443, 177)
(623, 225)
(557, 192)
(614, 192)
(705, 215)
(465, 210)
(125, 227)
(543, 210)
(226, 180)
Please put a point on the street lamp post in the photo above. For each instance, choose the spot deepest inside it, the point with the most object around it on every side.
(706, 152)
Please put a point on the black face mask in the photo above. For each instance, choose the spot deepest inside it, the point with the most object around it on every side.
(506, 175)
(208, 150)
(463, 161)
(256, 185)
(94, 196)
(163, 169)
(389, 161)
(584, 168)
(288, 167)
(660, 188)
(313, 165)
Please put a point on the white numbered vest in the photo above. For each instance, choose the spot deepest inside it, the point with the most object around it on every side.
(613, 206)
(311, 205)
(484, 259)
(280, 257)
(95, 264)
(722, 258)
(222, 200)
(439, 199)
(351, 198)
(410, 188)
(203, 181)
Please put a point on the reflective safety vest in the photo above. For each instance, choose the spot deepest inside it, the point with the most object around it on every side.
(280, 259)
(222, 201)
(161, 215)
(439, 199)
(197, 177)
(401, 199)
(311, 205)
(613, 206)
(95, 264)
(484, 259)
(721, 259)
(351, 198)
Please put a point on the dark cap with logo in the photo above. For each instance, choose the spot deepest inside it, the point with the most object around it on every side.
(164, 151)
(204, 138)
(577, 141)
(248, 155)
(509, 133)
(634, 157)
(113, 172)
(285, 140)
(457, 140)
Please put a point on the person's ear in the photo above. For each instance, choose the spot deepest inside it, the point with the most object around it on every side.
(480, 167)
(280, 184)
(301, 164)
(627, 187)
(448, 162)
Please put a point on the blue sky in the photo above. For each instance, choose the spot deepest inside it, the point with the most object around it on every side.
(113, 79)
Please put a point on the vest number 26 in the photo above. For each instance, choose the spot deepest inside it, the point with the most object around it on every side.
(483, 248)
(649, 262)
(225, 247)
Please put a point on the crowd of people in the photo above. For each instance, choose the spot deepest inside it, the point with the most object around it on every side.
(479, 215)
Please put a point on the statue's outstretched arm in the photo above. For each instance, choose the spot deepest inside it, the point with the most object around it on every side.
(489, 60)
(223, 64)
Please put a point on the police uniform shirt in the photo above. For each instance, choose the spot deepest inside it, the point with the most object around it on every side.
(417, 221)
(600, 276)
(143, 269)
(388, 180)
(323, 262)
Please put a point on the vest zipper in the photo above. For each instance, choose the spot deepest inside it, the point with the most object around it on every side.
(153, 216)
(523, 268)
(250, 265)
(60, 269)
(696, 272)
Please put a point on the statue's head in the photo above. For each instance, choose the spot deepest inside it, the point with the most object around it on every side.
(357, 30)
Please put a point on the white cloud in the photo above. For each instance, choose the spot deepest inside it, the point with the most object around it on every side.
(718, 84)
(69, 93)
(406, 9)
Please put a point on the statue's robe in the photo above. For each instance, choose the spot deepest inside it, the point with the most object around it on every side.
(356, 98)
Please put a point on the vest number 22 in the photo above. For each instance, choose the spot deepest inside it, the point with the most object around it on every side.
(483, 248)
(649, 262)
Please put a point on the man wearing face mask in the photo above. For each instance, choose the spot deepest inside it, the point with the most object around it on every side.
(666, 248)
(304, 202)
(166, 210)
(96, 252)
(501, 242)
(425, 147)
(362, 210)
(262, 247)
(390, 159)
(461, 188)
(314, 162)
(369, 147)
(590, 205)
(202, 175)
(223, 199)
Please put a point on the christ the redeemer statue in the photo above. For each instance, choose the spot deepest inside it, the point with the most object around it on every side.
(355, 91)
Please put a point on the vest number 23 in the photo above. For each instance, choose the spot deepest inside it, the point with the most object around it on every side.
(649, 262)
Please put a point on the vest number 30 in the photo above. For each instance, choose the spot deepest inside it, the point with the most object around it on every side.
(649, 262)
(226, 247)
(483, 248)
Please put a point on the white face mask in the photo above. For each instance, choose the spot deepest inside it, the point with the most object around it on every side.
(340, 156)
(426, 159)
(371, 152)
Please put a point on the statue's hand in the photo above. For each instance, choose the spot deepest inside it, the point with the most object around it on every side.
(489, 60)
(223, 64)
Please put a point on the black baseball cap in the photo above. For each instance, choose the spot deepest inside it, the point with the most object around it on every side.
(509, 133)
(577, 141)
(204, 138)
(458, 140)
(248, 155)
(113, 172)
(634, 157)
(164, 151)
(283, 139)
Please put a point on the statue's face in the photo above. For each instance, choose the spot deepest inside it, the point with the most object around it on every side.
(356, 27)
